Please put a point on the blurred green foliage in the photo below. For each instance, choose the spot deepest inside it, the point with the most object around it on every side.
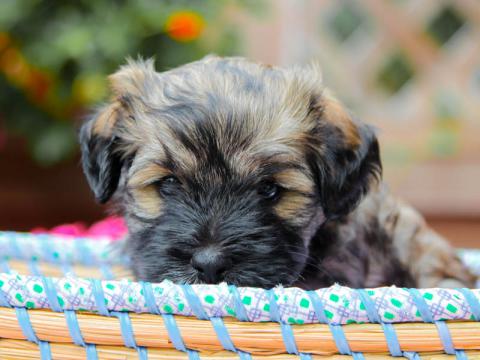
(55, 55)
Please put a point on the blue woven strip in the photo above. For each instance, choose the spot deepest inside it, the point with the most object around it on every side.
(25, 324)
(149, 298)
(99, 297)
(445, 337)
(174, 332)
(222, 333)
(357, 356)
(392, 339)
(472, 301)
(74, 328)
(33, 266)
(340, 339)
(193, 355)
(373, 317)
(422, 305)
(142, 353)
(287, 332)
(126, 328)
(4, 267)
(168, 320)
(461, 355)
(194, 302)
(240, 311)
(336, 330)
(14, 248)
(46, 248)
(45, 352)
(51, 293)
(3, 300)
(91, 352)
(304, 356)
(369, 306)
(83, 251)
(67, 269)
(106, 271)
(411, 355)
(318, 306)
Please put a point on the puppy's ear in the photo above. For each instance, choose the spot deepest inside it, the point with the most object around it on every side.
(345, 156)
(100, 161)
(100, 140)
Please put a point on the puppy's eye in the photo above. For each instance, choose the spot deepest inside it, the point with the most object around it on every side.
(167, 184)
(268, 190)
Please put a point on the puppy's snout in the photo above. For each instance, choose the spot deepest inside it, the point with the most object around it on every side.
(211, 264)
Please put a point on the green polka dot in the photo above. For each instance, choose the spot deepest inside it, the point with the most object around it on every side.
(452, 308)
(428, 296)
(291, 320)
(30, 305)
(230, 310)
(130, 300)
(181, 306)
(247, 300)
(67, 286)
(457, 297)
(304, 303)
(56, 255)
(34, 258)
(351, 321)
(167, 308)
(266, 307)
(334, 297)
(328, 314)
(110, 286)
(362, 306)
(370, 292)
(61, 302)
(37, 288)
(396, 303)
(19, 297)
(106, 301)
(209, 299)
(300, 321)
(141, 292)
(417, 314)
(388, 315)
(1, 283)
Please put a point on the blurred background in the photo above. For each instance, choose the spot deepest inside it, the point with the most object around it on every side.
(411, 68)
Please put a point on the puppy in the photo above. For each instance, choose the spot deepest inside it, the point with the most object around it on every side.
(231, 171)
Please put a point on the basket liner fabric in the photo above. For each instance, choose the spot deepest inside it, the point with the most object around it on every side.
(341, 305)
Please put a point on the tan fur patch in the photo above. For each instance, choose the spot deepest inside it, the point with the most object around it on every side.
(147, 175)
(147, 201)
(296, 180)
(106, 120)
(145, 195)
(336, 114)
(291, 206)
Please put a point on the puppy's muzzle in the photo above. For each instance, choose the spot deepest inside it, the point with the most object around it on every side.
(211, 264)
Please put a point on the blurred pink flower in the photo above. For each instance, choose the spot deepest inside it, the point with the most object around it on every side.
(112, 227)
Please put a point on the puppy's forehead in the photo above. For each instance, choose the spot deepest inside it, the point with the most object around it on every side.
(226, 114)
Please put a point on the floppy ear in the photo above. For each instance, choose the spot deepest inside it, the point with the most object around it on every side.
(100, 161)
(345, 157)
(99, 139)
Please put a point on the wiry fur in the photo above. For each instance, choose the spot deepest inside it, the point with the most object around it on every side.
(224, 126)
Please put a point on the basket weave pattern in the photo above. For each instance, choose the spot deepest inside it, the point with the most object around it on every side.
(70, 298)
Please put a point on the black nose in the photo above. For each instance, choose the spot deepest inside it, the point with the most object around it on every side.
(211, 265)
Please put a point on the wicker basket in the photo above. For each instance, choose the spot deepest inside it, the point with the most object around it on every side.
(71, 298)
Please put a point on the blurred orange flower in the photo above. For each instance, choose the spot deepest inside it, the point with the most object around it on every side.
(184, 25)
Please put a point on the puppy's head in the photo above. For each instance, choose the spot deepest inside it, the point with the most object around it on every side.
(225, 169)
